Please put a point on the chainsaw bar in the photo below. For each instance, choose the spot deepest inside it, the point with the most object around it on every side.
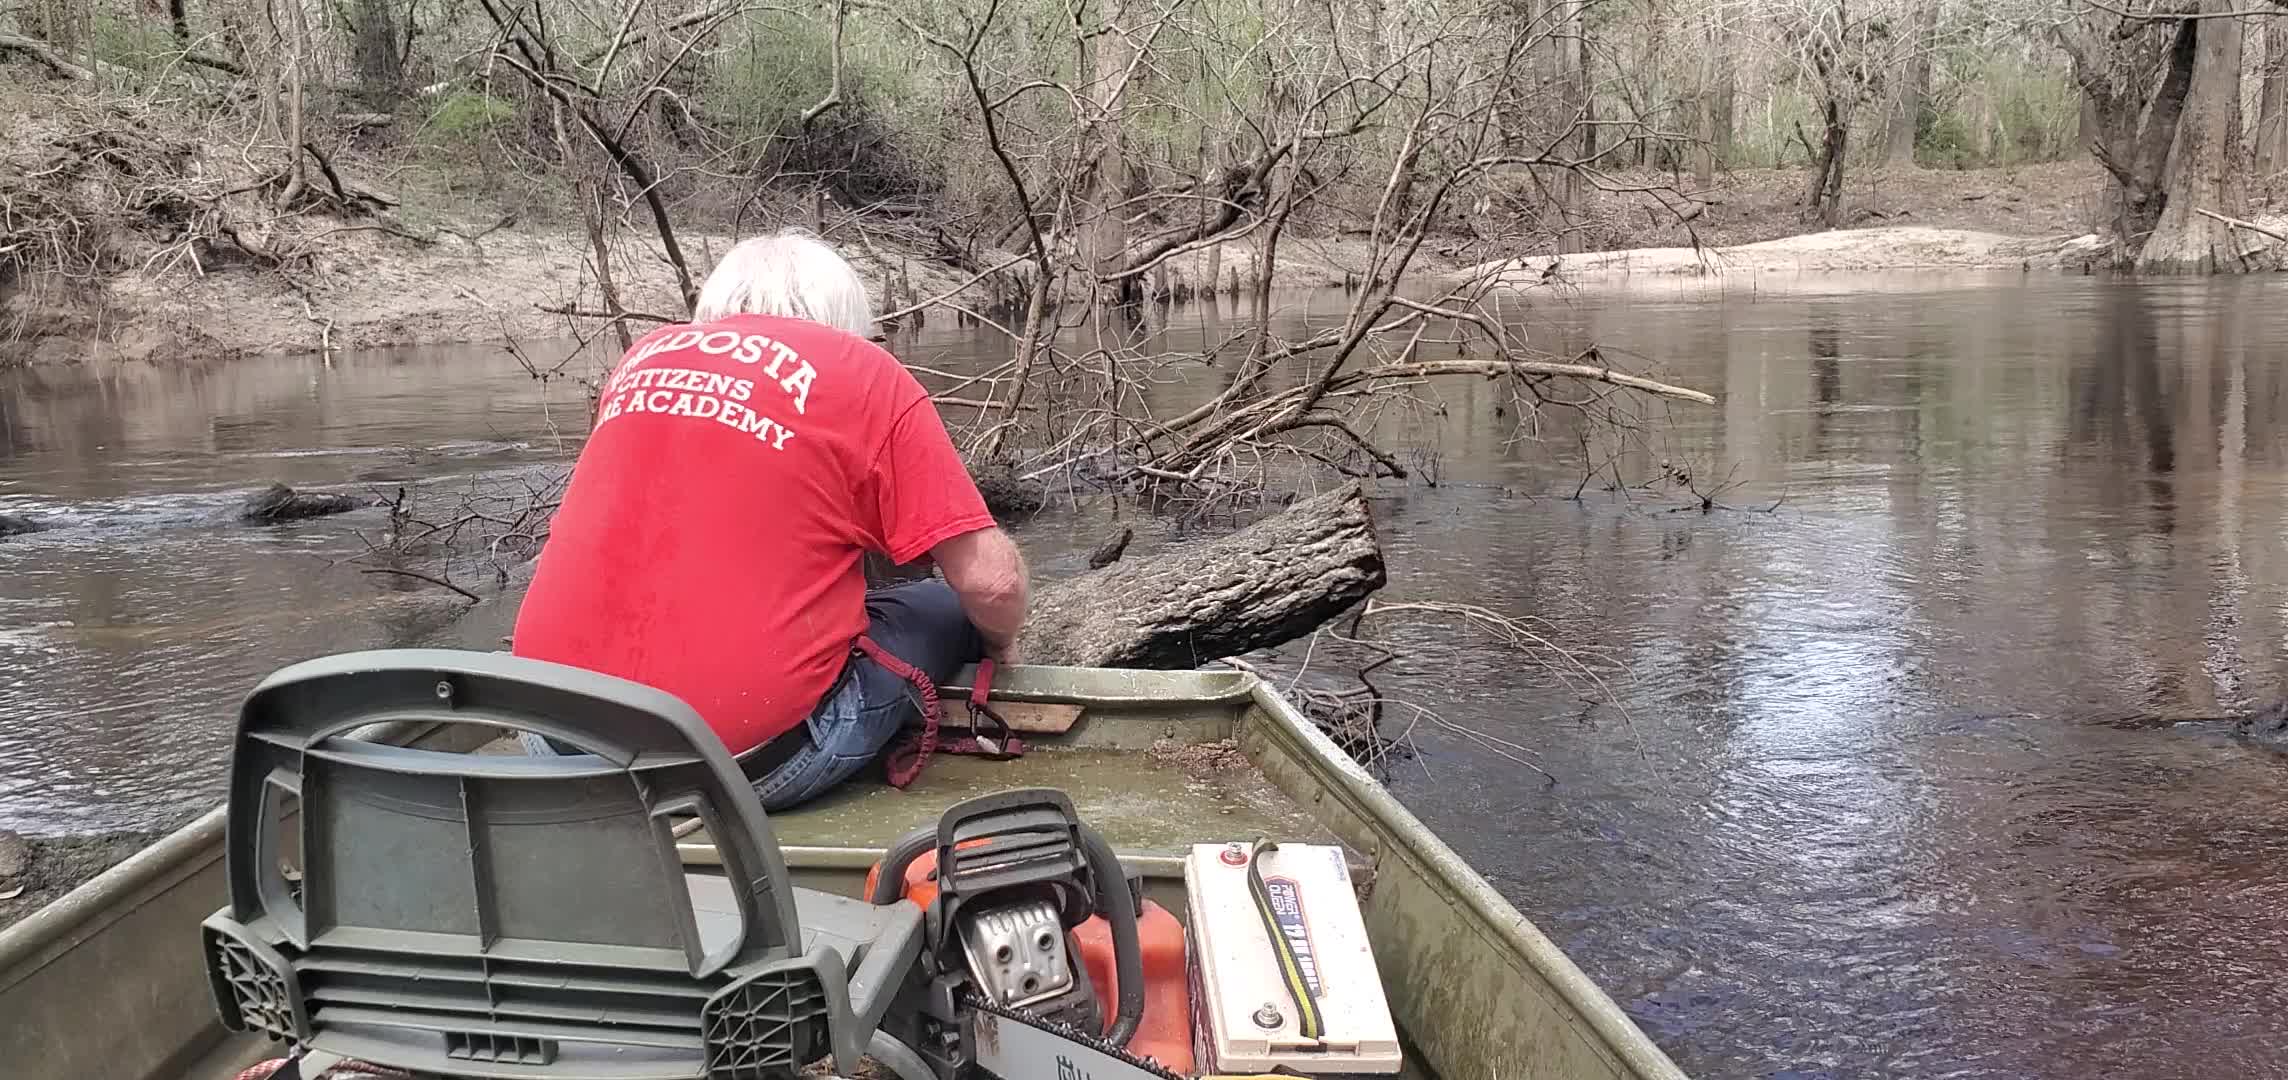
(993, 1043)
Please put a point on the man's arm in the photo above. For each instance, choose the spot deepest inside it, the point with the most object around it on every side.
(987, 572)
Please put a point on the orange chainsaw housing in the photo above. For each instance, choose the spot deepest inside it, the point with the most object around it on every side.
(1165, 1035)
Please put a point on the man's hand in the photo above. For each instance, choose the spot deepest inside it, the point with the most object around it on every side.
(987, 572)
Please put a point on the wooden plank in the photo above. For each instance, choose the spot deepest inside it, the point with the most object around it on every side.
(1024, 717)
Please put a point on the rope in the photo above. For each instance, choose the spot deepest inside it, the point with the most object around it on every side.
(276, 1069)
(906, 761)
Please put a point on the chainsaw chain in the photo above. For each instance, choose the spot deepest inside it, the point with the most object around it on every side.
(970, 998)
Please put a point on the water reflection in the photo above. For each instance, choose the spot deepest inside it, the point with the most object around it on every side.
(1865, 806)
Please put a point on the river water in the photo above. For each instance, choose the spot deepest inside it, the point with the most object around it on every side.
(1864, 792)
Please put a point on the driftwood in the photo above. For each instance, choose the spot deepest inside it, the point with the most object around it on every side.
(281, 503)
(1110, 550)
(2268, 724)
(1269, 583)
(18, 524)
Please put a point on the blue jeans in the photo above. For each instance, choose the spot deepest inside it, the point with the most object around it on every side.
(920, 622)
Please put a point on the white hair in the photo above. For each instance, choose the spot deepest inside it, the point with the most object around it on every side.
(792, 274)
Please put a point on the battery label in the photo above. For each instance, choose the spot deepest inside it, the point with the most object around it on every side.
(1287, 911)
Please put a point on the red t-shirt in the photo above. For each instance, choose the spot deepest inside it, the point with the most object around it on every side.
(709, 541)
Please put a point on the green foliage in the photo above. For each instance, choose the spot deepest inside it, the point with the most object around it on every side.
(775, 66)
(1766, 136)
(1986, 111)
(2000, 110)
(1946, 142)
(140, 45)
(467, 116)
(885, 141)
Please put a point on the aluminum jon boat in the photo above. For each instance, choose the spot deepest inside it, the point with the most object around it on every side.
(112, 980)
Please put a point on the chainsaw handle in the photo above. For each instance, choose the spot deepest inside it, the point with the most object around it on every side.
(1118, 906)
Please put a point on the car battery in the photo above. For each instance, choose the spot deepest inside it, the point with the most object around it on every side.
(1248, 1018)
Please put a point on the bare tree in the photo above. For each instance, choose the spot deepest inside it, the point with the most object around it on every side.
(1843, 54)
(2163, 85)
(527, 46)
(2207, 165)
(1910, 99)
(2270, 144)
(294, 33)
(1713, 97)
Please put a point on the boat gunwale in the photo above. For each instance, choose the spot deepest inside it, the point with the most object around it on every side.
(113, 894)
(1445, 871)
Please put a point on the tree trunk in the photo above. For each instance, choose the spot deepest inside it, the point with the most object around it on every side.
(1269, 583)
(1713, 115)
(56, 22)
(1704, 154)
(1913, 98)
(2142, 192)
(1571, 88)
(1106, 185)
(1721, 118)
(1205, 167)
(1824, 202)
(2204, 168)
(297, 27)
(2271, 140)
(1584, 78)
(375, 50)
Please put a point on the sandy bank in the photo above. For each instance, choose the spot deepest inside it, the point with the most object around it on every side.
(1836, 251)
(368, 290)
(1830, 253)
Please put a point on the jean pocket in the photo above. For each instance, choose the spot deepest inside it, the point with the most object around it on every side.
(849, 729)
(804, 777)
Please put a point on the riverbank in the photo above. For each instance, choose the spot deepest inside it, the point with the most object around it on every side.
(369, 290)
(2033, 218)
(35, 872)
(152, 244)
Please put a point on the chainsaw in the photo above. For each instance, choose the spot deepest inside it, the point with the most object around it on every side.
(1018, 897)
(1011, 1044)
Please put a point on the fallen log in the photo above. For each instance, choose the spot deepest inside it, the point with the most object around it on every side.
(1267, 584)
(278, 503)
(43, 53)
(1006, 495)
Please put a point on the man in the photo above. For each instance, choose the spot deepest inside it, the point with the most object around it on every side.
(711, 539)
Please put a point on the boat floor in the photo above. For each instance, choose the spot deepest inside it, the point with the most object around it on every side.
(1143, 803)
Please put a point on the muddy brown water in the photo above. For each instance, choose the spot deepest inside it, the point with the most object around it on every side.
(1864, 798)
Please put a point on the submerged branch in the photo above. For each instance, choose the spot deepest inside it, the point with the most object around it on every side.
(1493, 369)
(418, 576)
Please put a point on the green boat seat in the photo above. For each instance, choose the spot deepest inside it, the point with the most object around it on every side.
(499, 915)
